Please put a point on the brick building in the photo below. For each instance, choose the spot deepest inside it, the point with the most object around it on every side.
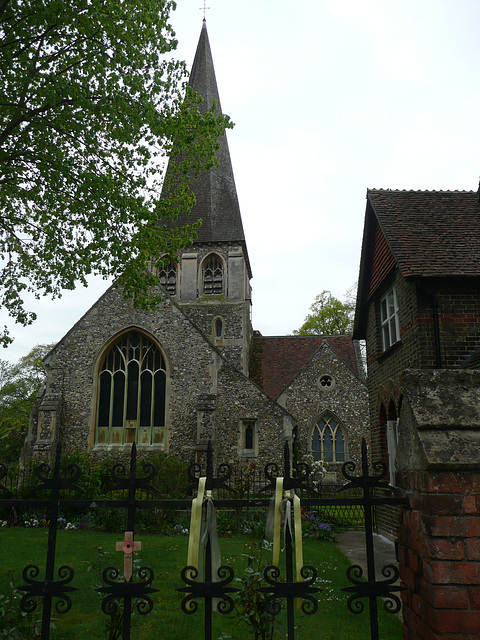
(418, 304)
(193, 369)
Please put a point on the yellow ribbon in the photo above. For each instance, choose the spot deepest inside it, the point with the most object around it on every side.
(277, 522)
(279, 497)
(297, 519)
(196, 526)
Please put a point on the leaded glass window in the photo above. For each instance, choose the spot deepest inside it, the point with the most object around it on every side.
(213, 275)
(131, 393)
(328, 440)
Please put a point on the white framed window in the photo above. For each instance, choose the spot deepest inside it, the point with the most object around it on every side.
(328, 441)
(248, 438)
(389, 319)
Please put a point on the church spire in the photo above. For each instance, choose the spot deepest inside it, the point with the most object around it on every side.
(215, 191)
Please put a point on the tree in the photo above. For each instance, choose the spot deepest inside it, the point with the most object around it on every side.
(19, 385)
(89, 110)
(328, 316)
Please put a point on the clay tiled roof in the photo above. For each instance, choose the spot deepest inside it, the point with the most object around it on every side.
(276, 360)
(430, 233)
(426, 234)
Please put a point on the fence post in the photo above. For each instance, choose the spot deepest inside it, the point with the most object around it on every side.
(439, 537)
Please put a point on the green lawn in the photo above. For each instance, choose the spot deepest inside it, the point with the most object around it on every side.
(167, 556)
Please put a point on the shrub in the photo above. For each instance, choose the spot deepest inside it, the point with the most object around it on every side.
(313, 527)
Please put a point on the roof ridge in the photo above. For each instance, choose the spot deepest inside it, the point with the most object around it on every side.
(322, 336)
(387, 190)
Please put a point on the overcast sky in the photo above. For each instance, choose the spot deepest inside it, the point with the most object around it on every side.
(329, 97)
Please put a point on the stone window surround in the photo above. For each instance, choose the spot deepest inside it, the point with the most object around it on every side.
(243, 423)
(326, 382)
(340, 426)
(168, 275)
(92, 444)
(203, 264)
(218, 321)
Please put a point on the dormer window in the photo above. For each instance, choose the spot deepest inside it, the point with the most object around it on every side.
(213, 276)
(389, 319)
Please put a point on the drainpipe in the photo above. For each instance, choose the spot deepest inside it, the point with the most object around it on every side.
(436, 325)
(436, 332)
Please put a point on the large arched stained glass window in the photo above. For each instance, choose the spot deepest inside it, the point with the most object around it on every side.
(131, 393)
(328, 440)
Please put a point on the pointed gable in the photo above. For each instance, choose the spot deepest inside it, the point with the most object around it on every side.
(426, 234)
(382, 262)
(276, 360)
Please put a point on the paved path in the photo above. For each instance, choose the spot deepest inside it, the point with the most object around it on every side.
(352, 544)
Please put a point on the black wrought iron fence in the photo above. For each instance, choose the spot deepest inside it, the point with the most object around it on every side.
(354, 501)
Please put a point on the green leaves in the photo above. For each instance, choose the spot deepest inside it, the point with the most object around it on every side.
(328, 316)
(19, 384)
(89, 109)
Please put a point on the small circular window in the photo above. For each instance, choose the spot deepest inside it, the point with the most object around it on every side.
(326, 382)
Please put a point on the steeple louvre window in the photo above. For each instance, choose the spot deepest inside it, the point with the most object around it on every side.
(168, 278)
(131, 393)
(328, 440)
(213, 276)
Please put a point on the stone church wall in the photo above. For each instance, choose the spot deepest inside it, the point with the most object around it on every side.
(206, 397)
(347, 399)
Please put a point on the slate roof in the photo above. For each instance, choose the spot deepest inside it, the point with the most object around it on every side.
(276, 360)
(430, 233)
(215, 191)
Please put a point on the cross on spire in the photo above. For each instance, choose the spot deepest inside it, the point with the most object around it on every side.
(204, 8)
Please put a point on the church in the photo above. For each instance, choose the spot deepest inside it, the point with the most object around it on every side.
(193, 369)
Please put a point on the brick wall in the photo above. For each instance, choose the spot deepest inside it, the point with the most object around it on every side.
(458, 302)
(439, 554)
(439, 535)
(385, 368)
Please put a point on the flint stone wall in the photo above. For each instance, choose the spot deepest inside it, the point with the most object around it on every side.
(347, 399)
(195, 370)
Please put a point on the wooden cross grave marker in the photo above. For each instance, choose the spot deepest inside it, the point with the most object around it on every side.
(128, 546)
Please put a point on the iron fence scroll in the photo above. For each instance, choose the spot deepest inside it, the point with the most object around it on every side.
(213, 586)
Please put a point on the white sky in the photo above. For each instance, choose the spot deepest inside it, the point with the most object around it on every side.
(329, 97)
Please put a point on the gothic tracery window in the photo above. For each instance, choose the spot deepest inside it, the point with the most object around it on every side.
(213, 275)
(131, 393)
(168, 278)
(328, 440)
